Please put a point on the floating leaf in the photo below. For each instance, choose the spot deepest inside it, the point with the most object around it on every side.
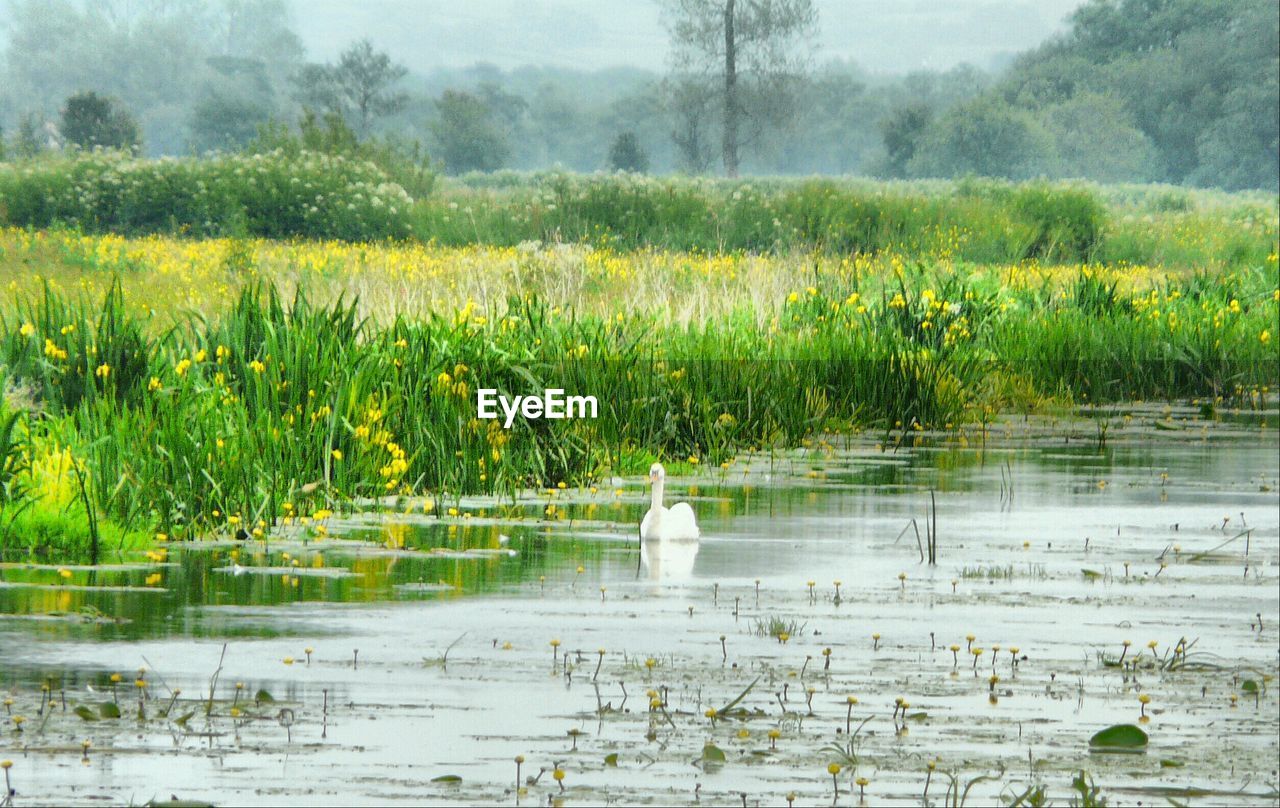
(1249, 686)
(1169, 763)
(920, 716)
(109, 709)
(447, 778)
(263, 696)
(1091, 575)
(1122, 737)
(713, 754)
(86, 713)
(611, 760)
(184, 718)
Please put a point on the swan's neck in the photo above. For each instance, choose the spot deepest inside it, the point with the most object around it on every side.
(657, 497)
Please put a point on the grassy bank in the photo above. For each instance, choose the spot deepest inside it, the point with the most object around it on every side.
(293, 379)
(280, 194)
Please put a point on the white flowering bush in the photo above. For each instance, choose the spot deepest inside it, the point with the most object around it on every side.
(271, 195)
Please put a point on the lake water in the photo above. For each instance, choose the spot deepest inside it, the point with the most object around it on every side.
(1047, 542)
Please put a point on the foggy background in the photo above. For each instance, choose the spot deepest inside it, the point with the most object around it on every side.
(1181, 91)
(882, 36)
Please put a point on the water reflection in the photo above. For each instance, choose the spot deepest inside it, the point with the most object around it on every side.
(670, 560)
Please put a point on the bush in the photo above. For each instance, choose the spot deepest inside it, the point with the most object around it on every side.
(1068, 222)
(91, 121)
(273, 195)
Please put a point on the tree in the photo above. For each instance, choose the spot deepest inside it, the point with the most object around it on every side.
(1195, 77)
(27, 142)
(1096, 139)
(690, 101)
(225, 122)
(986, 137)
(751, 48)
(626, 154)
(902, 131)
(90, 120)
(467, 137)
(358, 87)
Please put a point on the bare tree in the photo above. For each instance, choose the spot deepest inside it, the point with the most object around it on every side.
(753, 49)
(690, 101)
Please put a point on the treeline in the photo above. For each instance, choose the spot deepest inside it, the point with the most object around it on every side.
(1178, 91)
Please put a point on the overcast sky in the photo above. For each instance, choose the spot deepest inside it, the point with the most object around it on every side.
(882, 35)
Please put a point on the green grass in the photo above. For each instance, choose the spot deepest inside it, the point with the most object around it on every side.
(277, 408)
(290, 193)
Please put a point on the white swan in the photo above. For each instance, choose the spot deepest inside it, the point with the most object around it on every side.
(666, 524)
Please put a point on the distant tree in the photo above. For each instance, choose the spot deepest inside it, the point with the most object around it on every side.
(90, 120)
(690, 102)
(986, 137)
(466, 135)
(359, 86)
(752, 48)
(27, 142)
(1242, 148)
(3, 146)
(1195, 77)
(1095, 138)
(902, 131)
(225, 122)
(626, 154)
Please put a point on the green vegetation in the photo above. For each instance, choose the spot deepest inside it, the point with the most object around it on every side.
(278, 405)
(325, 184)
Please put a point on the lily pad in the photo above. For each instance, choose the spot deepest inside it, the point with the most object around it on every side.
(1090, 575)
(1169, 763)
(263, 697)
(109, 709)
(447, 778)
(86, 713)
(1249, 686)
(713, 754)
(611, 759)
(1120, 738)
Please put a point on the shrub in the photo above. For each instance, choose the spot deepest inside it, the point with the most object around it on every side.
(1067, 222)
(273, 195)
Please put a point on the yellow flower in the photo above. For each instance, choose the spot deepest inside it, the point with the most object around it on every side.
(257, 367)
(27, 329)
(103, 371)
(52, 351)
(154, 385)
(337, 454)
(182, 366)
(1265, 336)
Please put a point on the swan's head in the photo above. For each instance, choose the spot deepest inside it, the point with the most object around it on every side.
(657, 473)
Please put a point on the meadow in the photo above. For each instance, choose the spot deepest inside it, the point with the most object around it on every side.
(202, 347)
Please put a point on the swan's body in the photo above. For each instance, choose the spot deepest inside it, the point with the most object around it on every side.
(667, 524)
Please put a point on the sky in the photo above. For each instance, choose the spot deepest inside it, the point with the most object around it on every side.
(887, 36)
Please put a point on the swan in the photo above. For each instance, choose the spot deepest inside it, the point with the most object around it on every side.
(665, 524)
